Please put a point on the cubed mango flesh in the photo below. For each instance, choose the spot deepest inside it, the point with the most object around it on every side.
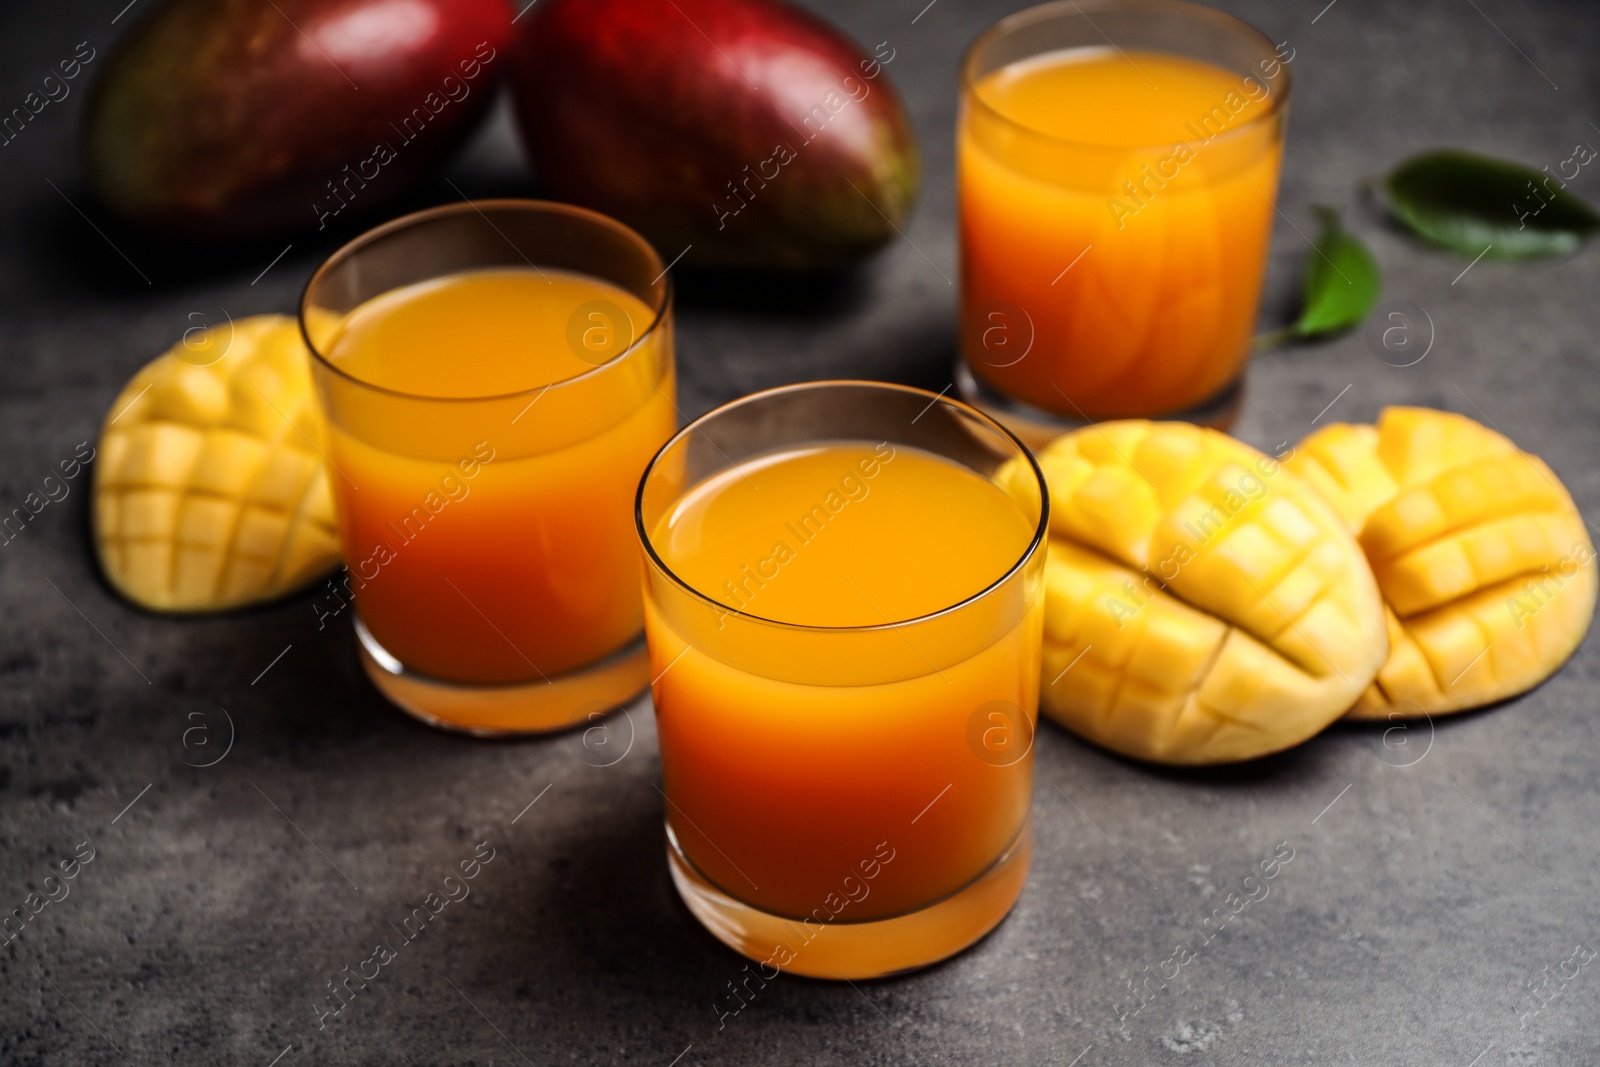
(210, 491)
(1203, 605)
(1484, 562)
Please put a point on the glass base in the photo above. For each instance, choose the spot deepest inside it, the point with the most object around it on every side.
(1038, 426)
(520, 708)
(845, 950)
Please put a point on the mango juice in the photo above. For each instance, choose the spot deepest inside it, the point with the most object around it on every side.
(484, 467)
(1116, 209)
(818, 751)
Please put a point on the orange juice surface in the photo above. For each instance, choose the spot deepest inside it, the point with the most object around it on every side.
(1115, 214)
(831, 774)
(488, 530)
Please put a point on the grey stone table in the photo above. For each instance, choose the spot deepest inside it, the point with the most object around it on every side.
(1435, 874)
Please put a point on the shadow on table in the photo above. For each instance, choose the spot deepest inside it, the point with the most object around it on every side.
(805, 296)
(594, 905)
(75, 244)
(1398, 742)
(1278, 768)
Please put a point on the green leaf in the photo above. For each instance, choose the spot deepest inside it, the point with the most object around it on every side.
(1475, 205)
(1342, 281)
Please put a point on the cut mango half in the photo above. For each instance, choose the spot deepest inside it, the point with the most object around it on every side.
(1203, 605)
(210, 491)
(1484, 562)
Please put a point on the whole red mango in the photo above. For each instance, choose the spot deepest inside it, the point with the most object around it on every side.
(230, 118)
(748, 129)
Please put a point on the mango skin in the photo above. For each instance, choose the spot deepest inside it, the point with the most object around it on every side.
(230, 118)
(746, 128)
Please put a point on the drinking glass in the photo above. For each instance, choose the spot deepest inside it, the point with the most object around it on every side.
(1117, 164)
(487, 535)
(850, 800)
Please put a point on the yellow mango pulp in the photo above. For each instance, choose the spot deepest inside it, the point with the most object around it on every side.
(1484, 562)
(209, 490)
(1203, 605)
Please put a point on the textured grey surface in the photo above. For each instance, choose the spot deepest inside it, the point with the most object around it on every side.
(1418, 906)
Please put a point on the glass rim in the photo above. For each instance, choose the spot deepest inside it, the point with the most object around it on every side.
(1279, 102)
(1040, 533)
(367, 238)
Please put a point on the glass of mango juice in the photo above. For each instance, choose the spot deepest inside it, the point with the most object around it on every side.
(844, 615)
(1117, 168)
(494, 377)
